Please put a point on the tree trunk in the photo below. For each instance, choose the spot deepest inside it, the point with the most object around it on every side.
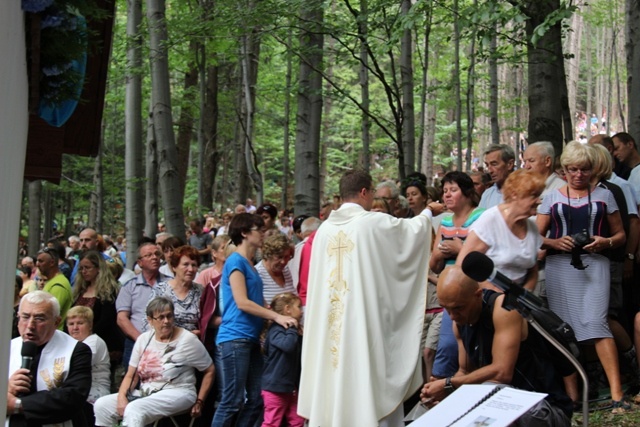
(208, 123)
(68, 219)
(97, 197)
(35, 193)
(186, 119)
(325, 134)
(309, 115)
(614, 53)
(47, 209)
(162, 118)
(423, 93)
(567, 122)
(151, 185)
(545, 112)
(133, 132)
(284, 198)
(406, 77)
(632, 48)
(363, 30)
(493, 86)
(471, 108)
(456, 84)
(211, 153)
(249, 54)
(573, 43)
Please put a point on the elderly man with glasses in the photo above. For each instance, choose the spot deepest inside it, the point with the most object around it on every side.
(49, 390)
(135, 294)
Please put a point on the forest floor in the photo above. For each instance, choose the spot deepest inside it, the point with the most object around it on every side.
(603, 417)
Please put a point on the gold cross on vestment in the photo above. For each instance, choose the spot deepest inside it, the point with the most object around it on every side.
(339, 247)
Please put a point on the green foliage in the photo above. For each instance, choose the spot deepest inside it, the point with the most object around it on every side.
(553, 19)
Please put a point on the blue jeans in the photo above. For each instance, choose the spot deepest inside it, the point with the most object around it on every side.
(241, 402)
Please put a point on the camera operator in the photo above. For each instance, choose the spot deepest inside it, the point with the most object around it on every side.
(583, 221)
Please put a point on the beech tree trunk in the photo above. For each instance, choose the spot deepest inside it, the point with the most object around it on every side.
(284, 198)
(545, 110)
(249, 55)
(96, 208)
(493, 87)
(133, 133)
(211, 157)
(632, 48)
(309, 115)
(406, 77)
(456, 84)
(186, 119)
(163, 119)
(35, 217)
(363, 29)
(151, 184)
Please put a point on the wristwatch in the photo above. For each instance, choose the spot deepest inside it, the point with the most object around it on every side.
(17, 407)
(631, 256)
(448, 387)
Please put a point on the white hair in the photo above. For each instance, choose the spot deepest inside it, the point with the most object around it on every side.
(310, 224)
(42, 297)
(395, 191)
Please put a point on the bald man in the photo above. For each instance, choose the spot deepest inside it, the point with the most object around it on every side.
(496, 345)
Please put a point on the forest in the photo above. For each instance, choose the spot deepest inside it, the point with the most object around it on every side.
(210, 102)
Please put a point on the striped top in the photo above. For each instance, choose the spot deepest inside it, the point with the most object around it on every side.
(448, 231)
(271, 288)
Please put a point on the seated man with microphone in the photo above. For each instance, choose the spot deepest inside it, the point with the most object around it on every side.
(49, 372)
(496, 345)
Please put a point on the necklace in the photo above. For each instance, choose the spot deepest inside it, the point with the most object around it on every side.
(578, 195)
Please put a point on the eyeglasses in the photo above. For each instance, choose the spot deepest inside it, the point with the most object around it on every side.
(86, 267)
(286, 257)
(164, 317)
(151, 255)
(261, 230)
(388, 199)
(576, 171)
(37, 318)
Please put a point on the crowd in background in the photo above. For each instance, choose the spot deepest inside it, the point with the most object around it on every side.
(564, 227)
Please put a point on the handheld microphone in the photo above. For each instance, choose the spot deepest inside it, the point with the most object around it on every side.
(29, 349)
(479, 267)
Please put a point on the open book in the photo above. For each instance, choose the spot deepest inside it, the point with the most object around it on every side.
(480, 405)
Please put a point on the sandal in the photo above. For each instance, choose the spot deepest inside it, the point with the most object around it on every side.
(619, 407)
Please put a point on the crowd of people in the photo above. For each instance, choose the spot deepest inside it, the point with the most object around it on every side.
(210, 324)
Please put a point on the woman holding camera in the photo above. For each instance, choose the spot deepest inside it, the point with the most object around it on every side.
(583, 223)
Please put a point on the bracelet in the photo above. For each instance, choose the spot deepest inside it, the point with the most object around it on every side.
(198, 401)
(610, 242)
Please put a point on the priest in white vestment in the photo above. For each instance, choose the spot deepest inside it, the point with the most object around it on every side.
(365, 310)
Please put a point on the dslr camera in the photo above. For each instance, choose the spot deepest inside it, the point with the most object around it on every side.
(580, 240)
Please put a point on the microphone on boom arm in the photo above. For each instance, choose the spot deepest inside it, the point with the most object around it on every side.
(479, 267)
